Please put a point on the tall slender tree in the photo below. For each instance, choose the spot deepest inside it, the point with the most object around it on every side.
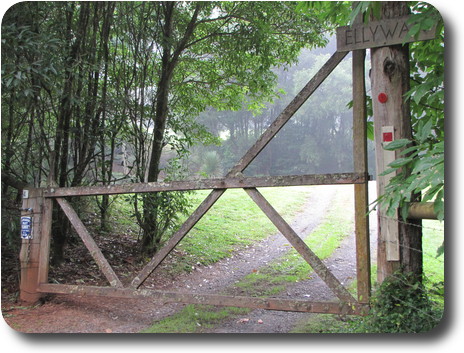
(159, 64)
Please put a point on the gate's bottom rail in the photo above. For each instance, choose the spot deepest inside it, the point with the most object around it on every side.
(278, 304)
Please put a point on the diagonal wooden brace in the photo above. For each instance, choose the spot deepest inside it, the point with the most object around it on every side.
(311, 258)
(90, 244)
(288, 112)
(177, 237)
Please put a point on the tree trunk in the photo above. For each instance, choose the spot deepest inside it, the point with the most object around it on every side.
(153, 227)
(60, 225)
(399, 241)
(151, 233)
(106, 168)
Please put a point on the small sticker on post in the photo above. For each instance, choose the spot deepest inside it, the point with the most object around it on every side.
(26, 227)
(387, 137)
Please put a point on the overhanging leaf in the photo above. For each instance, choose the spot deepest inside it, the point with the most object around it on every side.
(394, 145)
(400, 162)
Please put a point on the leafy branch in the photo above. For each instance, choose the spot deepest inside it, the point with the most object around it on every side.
(419, 170)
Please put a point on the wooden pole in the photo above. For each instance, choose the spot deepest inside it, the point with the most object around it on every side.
(281, 304)
(31, 214)
(399, 243)
(89, 243)
(361, 197)
(421, 210)
(45, 239)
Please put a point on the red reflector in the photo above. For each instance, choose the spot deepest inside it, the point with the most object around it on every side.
(387, 136)
(382, 97)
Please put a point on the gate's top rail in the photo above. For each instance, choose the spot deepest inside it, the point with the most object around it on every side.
(208, 184)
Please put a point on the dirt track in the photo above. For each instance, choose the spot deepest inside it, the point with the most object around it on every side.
(91, 314)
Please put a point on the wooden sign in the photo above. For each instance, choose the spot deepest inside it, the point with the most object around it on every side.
(378, 34)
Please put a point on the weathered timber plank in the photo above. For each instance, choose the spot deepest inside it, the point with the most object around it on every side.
(288, 112)
(361, 196)
(45, 239)
(211, 299)
(90, 244)
(310, 257)
(207, 184)
(373, 34)
(177, 237)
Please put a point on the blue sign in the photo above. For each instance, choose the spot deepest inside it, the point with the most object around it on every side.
(26, 227)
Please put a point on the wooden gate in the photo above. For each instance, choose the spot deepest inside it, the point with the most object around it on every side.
(38, 203)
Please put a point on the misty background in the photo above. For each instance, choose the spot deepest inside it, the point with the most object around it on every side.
(316, 140)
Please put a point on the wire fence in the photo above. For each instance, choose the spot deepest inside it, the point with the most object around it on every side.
(427, 256)
(424, 227)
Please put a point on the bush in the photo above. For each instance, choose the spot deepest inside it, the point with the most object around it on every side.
(401, 305)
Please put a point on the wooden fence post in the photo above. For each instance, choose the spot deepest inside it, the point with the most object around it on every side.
(35, 244)
(399, 243)
(361, 198)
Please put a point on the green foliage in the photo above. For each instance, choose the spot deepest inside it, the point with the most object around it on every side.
(229, 61)
(368, 9)
(166, 211)
(401, 305)
(420, 171)
(332, 13)
(81, 79)
(425, 17)
(211, 166)
(28, 71)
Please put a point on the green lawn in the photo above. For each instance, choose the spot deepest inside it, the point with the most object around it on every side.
(235, 221)
(433, 236)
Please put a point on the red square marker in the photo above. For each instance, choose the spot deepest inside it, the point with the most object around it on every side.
(387, 136)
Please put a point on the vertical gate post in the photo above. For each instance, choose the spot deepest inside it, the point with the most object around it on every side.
(361, 201)
(35, 234)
